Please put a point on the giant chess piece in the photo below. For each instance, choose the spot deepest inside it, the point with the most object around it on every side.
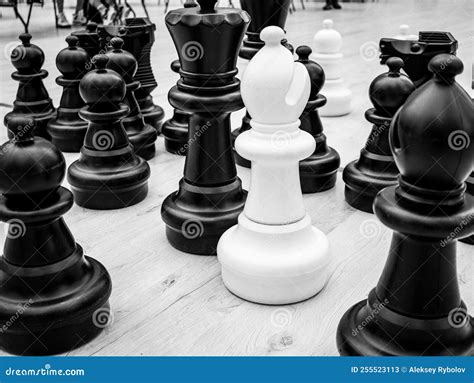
(60, 293)
(89, 41)
(108, 175)
(416, 54)
(263, 14)
(210, 196)
(376, 168)
(327, 45)
(274, 255)
(416, 308)
(32, 99)
(138, 34)
(318, 172)
(469, 190)
(141, 135)
(175, 130)
(67, 130)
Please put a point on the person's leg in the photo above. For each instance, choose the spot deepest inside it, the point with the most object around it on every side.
(62, 20)
(79, 18)
(328, 5)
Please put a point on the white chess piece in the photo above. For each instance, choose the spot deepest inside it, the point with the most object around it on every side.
(327, 45)
(405, 34)
(274, 255)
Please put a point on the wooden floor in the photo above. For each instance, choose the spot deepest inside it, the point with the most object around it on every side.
(169, 303)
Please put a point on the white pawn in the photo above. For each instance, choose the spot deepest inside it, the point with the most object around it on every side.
(327, 45)
(274, 255)
(404, 34)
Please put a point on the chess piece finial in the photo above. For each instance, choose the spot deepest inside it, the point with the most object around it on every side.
(142, 136)
(42, 265)
(32, 99)
(274, 255)
(263, 14)
(108, 175)
(210, 196)
(318, 172)
(417, 298)
(67, 129)
(327, 44)
(376, 169)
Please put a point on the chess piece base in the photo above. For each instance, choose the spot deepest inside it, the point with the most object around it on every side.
(362, 187)
(52, 324)
(274, 264)
(143, 141)
(197, 229)
(175, 132)
(367, 329)
(338, 99)
(108, 188)
(319, 172)
(152, 114)
(67, 136)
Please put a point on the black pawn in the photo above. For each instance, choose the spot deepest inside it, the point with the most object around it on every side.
(416, 308)
(175, 130)
(376, 168)
(263, 14)
(61, 295)
(32, 99)
(141, 135)
(210, 196)
(469, 190)
(67, 130)
(319, 171)
(108, 175)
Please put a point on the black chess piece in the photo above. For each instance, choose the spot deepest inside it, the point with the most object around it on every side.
(263, 14)
(138, 34)
(376, 168)
(416, 308)
(417, 54)
(175, 130)
(32, 99)
(108, 175)
(67, 130)
(319, 171)
(210, 196)
(469, 190)
(44, 274)
(89, 41)
(141, 135)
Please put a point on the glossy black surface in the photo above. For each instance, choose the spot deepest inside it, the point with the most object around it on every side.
(108, 175)
(67, 129)
(210, 195)
(319, 171)
(32, 99)
(376, 169)
(417, 300)
(43, 271)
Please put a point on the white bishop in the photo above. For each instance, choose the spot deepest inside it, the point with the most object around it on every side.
(274, 255)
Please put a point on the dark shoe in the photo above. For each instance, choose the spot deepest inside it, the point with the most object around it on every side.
(327, 7)
(336, 5)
